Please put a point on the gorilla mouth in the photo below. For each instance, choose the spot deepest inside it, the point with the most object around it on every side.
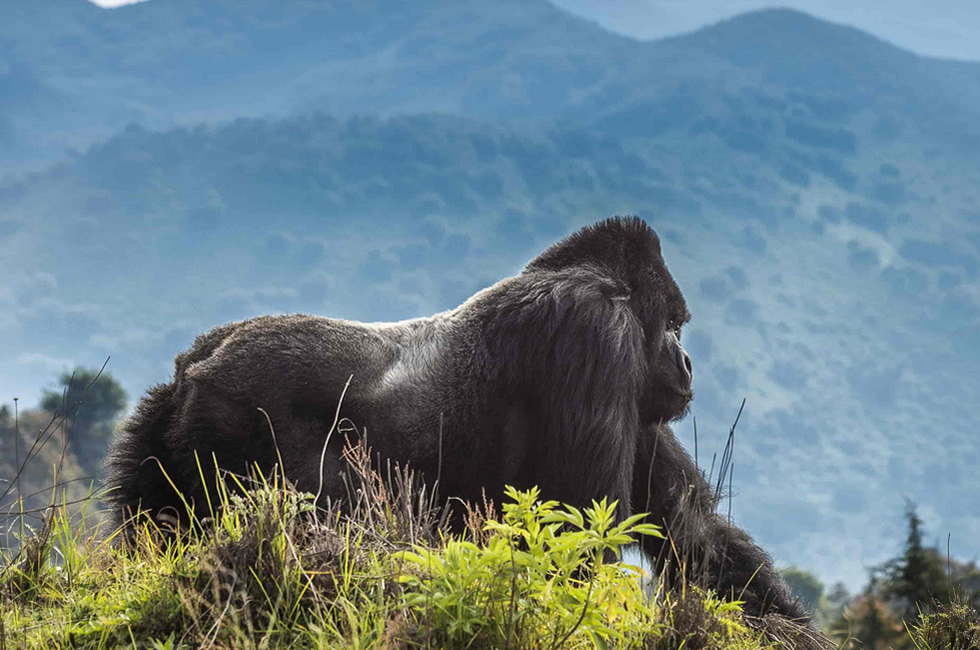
(678, 395)
(671, 404)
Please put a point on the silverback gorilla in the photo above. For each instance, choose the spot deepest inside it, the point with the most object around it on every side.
(562, 377)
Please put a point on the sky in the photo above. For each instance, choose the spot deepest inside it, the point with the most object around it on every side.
(940, 28)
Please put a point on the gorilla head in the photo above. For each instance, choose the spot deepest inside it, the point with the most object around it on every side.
(560, 377)
(629, 251)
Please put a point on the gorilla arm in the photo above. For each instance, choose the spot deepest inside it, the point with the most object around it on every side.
(711, 552)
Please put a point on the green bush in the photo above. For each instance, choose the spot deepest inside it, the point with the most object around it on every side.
(540, 578)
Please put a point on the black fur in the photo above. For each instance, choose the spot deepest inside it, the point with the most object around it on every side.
(559, 377)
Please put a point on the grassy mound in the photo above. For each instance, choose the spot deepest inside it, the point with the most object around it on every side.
(267, 569)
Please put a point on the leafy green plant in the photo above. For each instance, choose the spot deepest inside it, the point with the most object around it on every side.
(540, 576)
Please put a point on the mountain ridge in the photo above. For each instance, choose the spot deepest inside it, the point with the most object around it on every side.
(167, 62)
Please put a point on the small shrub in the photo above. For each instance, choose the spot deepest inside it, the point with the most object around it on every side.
(539, 580)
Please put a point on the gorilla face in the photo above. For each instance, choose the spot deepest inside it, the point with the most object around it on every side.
(661, 308)
(668, 391)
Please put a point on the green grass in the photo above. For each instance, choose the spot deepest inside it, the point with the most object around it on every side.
(266, 569)
(951, 627)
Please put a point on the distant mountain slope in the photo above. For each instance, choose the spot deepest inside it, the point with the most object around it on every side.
(834, 72)
(90, 71)
(167, 60)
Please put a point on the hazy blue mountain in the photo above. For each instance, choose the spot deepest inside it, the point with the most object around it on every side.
(82, 71)
(831, 86)
(816, 191)
(165, 61)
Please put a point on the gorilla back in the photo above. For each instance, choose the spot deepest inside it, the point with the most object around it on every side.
(551, 378)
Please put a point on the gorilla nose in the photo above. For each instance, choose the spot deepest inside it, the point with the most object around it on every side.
(684, 365)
